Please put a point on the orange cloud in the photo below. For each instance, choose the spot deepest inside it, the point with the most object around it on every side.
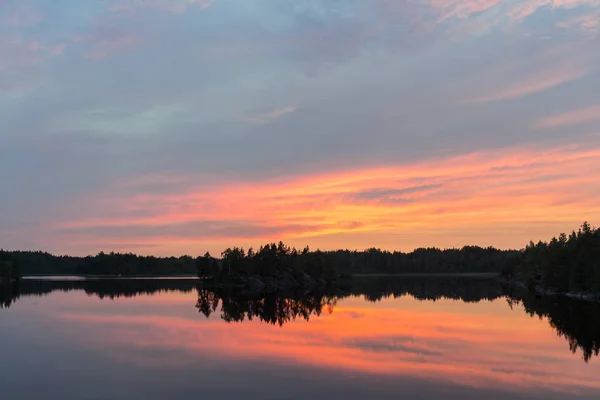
(507, 197)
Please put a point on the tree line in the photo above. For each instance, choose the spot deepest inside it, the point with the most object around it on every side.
(42, 263)
(272, 258)
(564, 264)
(568, 263)
(268, 260)
(9, 267)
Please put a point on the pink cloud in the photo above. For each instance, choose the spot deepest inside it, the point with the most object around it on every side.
(506, 12)
(588, 24)
(462, 8)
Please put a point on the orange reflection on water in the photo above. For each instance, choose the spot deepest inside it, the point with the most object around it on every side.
(479, 344)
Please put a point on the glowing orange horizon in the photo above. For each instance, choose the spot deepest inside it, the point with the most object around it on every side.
(501, 198)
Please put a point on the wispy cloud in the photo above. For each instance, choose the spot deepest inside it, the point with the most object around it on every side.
(102, 47)
(175, 6)
(103, 40)
(20, 14)
(505, 13)
(588, 24)
(462, 8)
(536, 81)
(267, 115)
(575, 117)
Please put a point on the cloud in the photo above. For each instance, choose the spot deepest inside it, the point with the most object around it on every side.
(127, 7)
(19, 14)
(22, 61)
(267, 115)
(574, 117)
(516, 10)
(462, 8)
(535, 82)
(396, 195)
(194, 230)
(104, 41)
(480, 16)
(352, 89)
(468, 193)
(587, 24)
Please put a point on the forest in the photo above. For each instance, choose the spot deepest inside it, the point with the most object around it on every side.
(42, 263)
(569, 263)
(9, 267)
(469, 259)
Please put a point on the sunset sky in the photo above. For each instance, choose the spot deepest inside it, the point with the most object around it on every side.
(173, 127)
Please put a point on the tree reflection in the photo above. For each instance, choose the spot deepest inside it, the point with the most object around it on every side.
(574, 320)
(9, 293)
(101, 288)
(272, 309)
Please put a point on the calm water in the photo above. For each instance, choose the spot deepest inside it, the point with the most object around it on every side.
(418, 339)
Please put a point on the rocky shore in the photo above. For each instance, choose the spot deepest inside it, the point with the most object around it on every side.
(539, 290)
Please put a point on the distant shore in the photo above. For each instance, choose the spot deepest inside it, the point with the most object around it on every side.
(433, 275)
(173, 276)
(192, 276)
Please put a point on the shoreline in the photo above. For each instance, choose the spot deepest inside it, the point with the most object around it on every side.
(539, 291)
(192, 276)
(432, 275)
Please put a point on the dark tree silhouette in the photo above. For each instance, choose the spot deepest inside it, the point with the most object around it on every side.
(9, 267)
(565, 264)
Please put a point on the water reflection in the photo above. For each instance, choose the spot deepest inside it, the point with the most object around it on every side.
(577, 321)
(374, 338)
(272, 309)
(573, 320)
(102, 288)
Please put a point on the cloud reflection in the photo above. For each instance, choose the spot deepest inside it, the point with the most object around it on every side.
(475, 345)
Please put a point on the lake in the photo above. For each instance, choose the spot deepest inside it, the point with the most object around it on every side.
(378, 338)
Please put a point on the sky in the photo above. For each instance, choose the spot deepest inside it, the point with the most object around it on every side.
(172, 127)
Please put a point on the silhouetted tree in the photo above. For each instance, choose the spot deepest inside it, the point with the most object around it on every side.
(564, 264)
